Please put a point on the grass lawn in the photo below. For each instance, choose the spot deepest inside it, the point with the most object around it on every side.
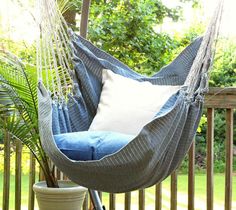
(24, 191)
(200, 193)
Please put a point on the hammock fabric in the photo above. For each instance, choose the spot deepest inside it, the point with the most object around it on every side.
(160, 146)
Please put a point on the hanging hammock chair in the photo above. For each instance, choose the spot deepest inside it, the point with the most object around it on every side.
(70, 86)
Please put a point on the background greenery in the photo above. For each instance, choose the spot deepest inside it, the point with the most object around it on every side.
(130, 30)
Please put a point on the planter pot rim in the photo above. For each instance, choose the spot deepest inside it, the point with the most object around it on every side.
(65, 186)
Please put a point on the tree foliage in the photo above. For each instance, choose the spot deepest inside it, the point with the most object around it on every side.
(224, 69)
(129, 30)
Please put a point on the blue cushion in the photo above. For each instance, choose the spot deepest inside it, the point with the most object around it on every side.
(91, 145)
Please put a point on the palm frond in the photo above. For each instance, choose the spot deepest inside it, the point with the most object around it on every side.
(18, 107)
(20, 87)
(17, 130)
(64, 5)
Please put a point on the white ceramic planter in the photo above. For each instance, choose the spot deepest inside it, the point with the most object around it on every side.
(68, 196)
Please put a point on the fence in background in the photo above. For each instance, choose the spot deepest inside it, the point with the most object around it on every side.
(217, 98)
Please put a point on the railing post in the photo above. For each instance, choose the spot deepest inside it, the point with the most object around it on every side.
(7, 173)
(191, 181)
(128, 201)
(112, 201)
(210, 157)
(173, 197)
(18, 175)
(31, 182)
(158, 197)
(141, 199)
(229, 159)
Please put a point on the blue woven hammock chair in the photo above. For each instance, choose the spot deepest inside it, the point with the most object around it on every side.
(158, 149)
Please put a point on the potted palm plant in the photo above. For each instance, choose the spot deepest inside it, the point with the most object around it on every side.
(19, 117)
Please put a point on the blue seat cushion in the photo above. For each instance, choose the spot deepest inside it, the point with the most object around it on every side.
(91, 145)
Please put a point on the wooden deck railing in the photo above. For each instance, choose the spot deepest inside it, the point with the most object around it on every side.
(217, 98)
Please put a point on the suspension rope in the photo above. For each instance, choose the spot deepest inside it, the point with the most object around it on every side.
(54, 53)
(204, 56)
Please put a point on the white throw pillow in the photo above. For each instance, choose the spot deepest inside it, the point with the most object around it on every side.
(126, 105)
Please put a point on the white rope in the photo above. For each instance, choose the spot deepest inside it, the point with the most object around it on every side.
(58, 53)
(38, 62)
(64, 35)
(46, 63)
(55, 45)
(200, 64)
(50, 65)
(218, 27)
(48, 46)
(47, 29)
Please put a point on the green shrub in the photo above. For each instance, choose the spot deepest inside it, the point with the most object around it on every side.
(128, 31)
